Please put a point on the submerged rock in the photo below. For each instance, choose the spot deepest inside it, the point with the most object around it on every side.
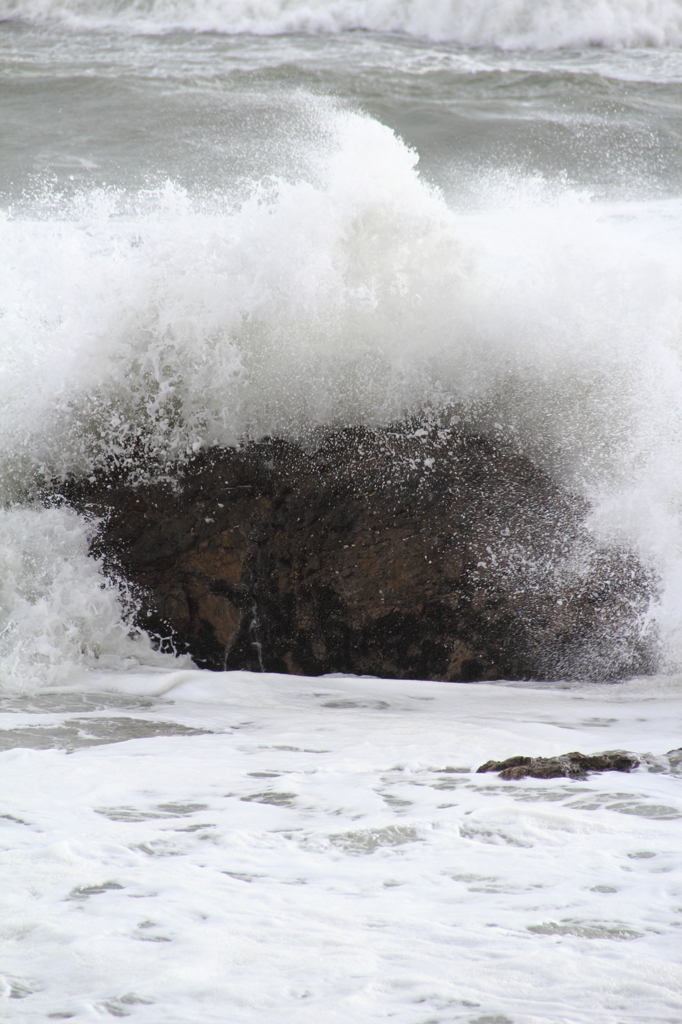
(406, 552)
(574, 765)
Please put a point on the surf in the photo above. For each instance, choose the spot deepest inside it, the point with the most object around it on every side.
(503, 24)
(141, 329)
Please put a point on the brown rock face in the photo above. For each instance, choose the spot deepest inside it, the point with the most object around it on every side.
(407, 552)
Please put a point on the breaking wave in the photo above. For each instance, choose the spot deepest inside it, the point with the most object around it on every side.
(507, 24)
(139, 329)
(154, 325)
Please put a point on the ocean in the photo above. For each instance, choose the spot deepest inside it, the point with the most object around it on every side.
(232, 219)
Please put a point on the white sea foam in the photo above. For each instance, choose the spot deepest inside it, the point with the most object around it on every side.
(508, 24)
(352, 293)
(327, 852)
(58, 614)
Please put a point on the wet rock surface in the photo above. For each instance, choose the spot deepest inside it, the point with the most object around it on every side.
(409, 552)
(574, 765)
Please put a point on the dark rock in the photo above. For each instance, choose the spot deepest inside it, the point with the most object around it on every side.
(574, 765)
(407, 552)
(512, 762)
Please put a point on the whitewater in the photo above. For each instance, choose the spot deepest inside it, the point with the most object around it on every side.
(228, 221)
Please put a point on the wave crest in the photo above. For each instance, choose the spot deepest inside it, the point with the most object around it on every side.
(506, 24)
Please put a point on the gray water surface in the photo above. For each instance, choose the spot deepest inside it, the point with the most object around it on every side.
(215, 112)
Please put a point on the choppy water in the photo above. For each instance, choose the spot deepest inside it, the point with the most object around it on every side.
(221, 220)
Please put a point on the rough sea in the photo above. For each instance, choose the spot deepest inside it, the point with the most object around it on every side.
(223, 219)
